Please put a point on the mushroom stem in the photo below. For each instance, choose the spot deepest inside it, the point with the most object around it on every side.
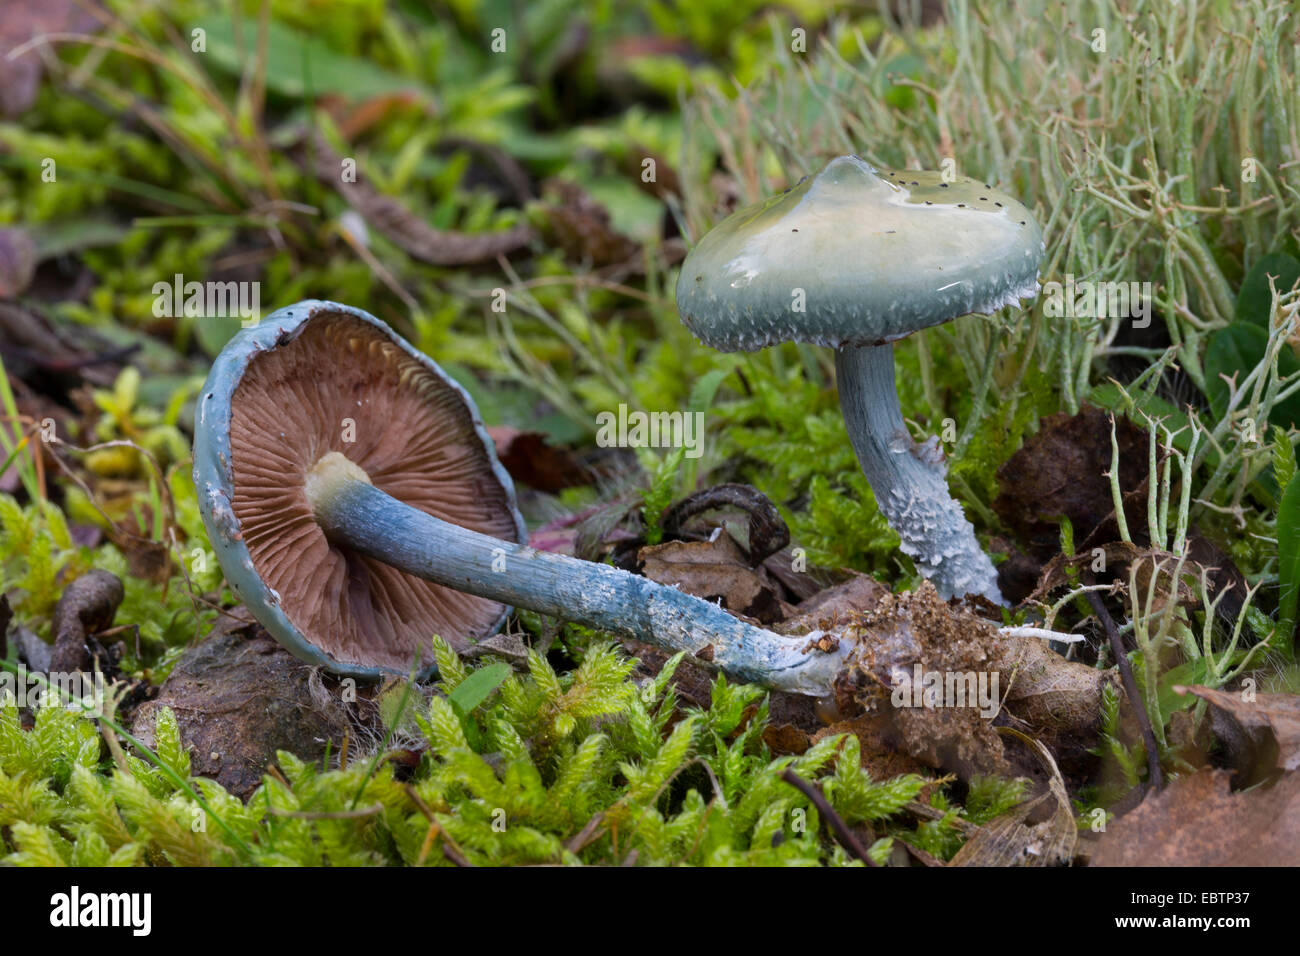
(910, 486)
(355, 514)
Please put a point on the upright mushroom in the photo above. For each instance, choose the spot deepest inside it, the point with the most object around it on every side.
(856, 258)
(357, 507)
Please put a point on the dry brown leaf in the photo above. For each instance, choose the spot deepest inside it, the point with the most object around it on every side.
(581, 227)
(1263, 732)
(877, 745)
(17, 262)
(1198, 821)
(835, 605)
(23, 20)
(1062, 471)
(1058, 701)
(530, 459)
(786, 739)
(665, 183)
(715, 570)
(1009, 841)
(1119, 555)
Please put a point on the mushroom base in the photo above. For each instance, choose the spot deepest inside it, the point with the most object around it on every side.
(909, 480)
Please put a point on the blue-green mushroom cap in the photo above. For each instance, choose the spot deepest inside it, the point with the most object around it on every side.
(858, 256)
(317, 377)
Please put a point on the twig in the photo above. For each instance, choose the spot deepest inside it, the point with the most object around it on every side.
(587, 835)
(843, 835)
(1154, 778)
(452, 853)
(449, 848)
(420, 805)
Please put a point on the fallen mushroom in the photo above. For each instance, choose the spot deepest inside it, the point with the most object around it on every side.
(357, 507)
(856, 258)
(316, 378)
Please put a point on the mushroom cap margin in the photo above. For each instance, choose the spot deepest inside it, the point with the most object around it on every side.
(214, 473)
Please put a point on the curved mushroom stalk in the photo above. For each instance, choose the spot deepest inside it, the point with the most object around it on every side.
(355, 514)
(911, 492)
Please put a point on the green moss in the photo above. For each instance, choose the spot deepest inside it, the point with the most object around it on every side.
(580, 767)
